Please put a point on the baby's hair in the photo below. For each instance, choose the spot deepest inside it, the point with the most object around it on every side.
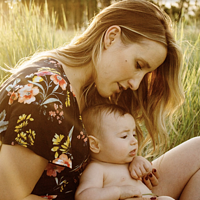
(92, 116)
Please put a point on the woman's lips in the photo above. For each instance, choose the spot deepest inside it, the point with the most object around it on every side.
(120, 88)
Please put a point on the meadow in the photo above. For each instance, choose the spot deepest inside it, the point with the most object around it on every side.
(24, 30)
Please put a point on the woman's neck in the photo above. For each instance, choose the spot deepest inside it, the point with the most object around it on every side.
(79, 78)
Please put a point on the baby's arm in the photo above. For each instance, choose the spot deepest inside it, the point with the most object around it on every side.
(150, 198)
(91, 186)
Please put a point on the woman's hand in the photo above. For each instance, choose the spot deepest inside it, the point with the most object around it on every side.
(151, 179)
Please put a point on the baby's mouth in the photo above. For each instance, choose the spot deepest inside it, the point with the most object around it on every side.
(133, 152)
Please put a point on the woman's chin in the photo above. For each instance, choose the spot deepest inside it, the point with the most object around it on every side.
(104, 94)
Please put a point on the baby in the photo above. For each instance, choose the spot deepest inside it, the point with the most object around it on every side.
(113, 145)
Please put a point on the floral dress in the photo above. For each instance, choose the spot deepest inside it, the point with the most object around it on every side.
(39, 111)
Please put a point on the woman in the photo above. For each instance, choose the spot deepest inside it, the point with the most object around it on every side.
(126, 56)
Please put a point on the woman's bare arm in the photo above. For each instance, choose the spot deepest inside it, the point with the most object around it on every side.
(20, 169)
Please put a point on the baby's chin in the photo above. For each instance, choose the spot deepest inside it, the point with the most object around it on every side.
(122, 162)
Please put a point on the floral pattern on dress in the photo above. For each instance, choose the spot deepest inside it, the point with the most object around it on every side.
(24, 138)
(63, 160)
(3, 123)
(39, 108)
(62, 146)
(27, 94)
(52, 169)
(57, 113)
(49, 196)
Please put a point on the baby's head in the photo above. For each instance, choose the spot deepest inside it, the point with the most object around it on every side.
(112, 133)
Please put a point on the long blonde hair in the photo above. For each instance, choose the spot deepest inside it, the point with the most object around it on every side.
(160, 92)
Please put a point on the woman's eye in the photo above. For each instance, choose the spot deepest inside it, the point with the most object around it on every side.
(124, 137)
(138, 66)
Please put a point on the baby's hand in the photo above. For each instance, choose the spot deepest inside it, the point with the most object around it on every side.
(139, 167)
(128, 191)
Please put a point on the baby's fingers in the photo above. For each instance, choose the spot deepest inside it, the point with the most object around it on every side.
(138, 172)
(134, 175)
(148, 167)
(142, 171)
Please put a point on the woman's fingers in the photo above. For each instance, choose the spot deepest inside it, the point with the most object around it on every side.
(155, 173)
(147, 182)
(153, 179)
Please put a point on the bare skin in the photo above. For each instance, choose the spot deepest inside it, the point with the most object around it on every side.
(112, 181)
(179, 171)
(107, 176)
(18, 172)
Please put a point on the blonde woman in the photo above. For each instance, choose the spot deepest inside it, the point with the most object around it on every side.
(126, 56)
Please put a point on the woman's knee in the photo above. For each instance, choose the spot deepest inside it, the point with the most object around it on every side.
(194, 143)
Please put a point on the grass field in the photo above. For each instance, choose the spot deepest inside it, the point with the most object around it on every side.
(24, 30)
(187, 118)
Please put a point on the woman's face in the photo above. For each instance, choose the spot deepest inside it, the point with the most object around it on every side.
(124, 66)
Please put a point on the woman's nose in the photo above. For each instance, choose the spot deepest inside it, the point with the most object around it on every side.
(134, 83)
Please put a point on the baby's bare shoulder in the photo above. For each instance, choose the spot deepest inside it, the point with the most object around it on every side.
(92, 168)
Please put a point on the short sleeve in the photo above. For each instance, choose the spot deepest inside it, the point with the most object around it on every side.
(41, 113)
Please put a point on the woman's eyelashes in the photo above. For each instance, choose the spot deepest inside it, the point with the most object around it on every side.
(138, 66)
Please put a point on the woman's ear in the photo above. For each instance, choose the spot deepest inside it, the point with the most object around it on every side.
(94, 144)
(112, 34)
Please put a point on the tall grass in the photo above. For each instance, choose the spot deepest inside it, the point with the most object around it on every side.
(187, 119)
(26, 30)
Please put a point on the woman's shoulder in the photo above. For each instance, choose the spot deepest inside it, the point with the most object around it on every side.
(34, 69)
(44, 66)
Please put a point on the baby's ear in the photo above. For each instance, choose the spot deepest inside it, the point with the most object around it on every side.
(94, 144)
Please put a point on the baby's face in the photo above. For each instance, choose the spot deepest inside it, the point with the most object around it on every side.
(118, 141)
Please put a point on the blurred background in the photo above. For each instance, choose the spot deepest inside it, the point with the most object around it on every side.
(79, 12)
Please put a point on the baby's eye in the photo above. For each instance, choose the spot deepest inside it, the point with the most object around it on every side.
(135, 135)
(124, 137)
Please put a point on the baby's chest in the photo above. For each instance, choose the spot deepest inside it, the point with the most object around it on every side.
(119, 176)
